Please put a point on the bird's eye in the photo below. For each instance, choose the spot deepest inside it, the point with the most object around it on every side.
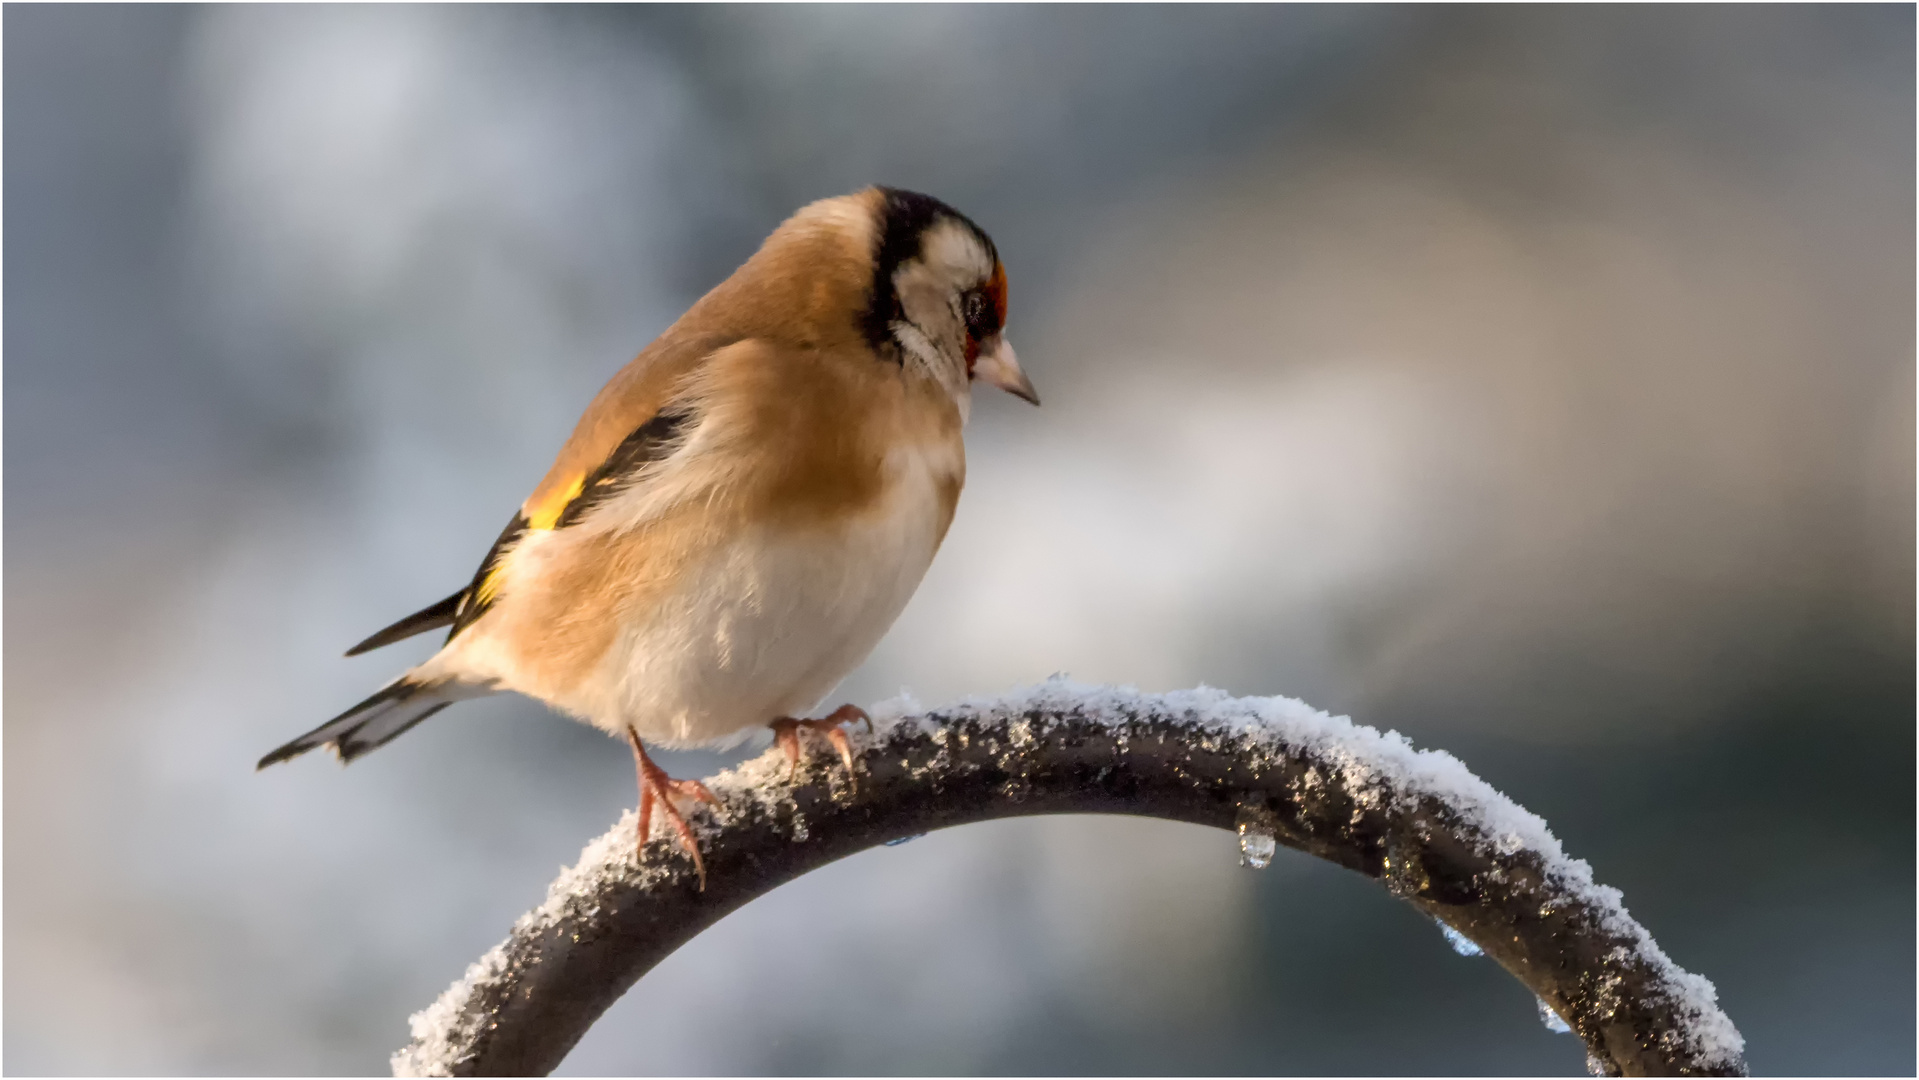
(979, 314)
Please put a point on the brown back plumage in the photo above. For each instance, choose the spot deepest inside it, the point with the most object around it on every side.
(795, 292)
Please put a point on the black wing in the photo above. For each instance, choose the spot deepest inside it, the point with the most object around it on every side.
(650, 442)
(440, 614)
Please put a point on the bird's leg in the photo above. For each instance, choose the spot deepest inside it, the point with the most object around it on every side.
(656, 786)
(786, 732)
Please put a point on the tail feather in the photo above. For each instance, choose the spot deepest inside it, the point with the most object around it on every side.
(373, 723)
(441, 614)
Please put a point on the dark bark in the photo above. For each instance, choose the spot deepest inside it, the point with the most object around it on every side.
(1317, 784)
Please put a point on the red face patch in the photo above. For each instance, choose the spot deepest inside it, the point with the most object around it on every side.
(984, 310)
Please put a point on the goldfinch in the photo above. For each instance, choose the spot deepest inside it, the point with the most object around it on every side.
(742, 511)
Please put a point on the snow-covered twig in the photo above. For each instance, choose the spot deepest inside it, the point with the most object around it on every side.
(1419, 822)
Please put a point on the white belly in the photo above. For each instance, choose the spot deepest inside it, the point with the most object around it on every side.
(768, 625)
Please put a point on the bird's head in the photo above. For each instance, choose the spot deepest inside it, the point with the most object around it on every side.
(938, 299)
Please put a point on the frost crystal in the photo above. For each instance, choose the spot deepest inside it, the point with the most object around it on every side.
(1552, 1019)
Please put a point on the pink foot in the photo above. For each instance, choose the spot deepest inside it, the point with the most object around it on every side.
(786, 732)
(657, 787)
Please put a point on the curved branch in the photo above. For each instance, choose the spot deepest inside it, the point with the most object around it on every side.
(1431, 832)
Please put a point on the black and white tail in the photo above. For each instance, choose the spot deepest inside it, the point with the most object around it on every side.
(376, 721)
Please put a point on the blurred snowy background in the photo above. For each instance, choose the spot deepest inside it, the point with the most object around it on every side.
(1536, 382)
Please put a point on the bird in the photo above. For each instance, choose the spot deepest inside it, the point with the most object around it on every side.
(741, 512)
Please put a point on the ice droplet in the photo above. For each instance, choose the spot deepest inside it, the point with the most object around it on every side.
(1552, 1019)
(1257, 841)
(1597, 1066)
(904, 840)
(1256, 848)
(1461, 944)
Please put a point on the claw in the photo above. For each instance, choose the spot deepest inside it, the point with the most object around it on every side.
(838, 738)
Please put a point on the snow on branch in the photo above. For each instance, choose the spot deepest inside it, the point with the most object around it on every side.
(1416, 821)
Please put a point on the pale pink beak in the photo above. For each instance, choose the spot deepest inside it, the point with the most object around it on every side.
(1000, 367)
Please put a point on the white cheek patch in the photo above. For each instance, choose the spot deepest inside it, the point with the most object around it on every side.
(916, 344)
(951, 260)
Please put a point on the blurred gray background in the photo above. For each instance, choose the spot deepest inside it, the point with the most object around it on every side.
(1537, 382)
